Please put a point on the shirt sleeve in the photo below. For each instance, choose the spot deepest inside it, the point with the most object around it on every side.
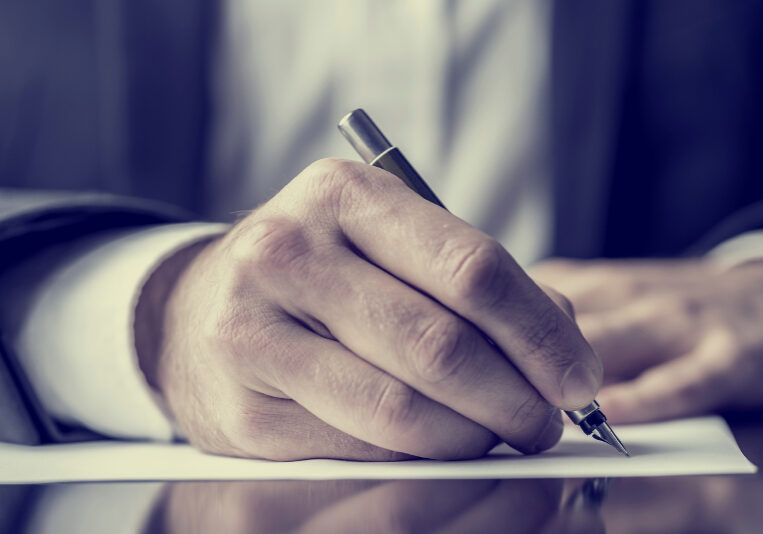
(75, 338)
(738, 250)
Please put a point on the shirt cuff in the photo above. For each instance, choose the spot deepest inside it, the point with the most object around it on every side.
(76, 344)
(738, 250)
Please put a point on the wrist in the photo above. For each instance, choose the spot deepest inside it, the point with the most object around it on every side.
(153, 305)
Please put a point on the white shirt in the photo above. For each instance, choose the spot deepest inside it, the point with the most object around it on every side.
(460, 87)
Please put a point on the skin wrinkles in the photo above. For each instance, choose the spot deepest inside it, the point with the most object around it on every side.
(318, 327)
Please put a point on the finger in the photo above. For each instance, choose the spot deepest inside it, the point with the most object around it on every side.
(469, 273)
(602, 285)
(560, 300)
(416, 340)
(593, 286)
(640, 335)
(282, 430)
(559, 273)
(690, 385)
(359, 399)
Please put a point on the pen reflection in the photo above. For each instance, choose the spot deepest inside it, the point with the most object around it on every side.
(366, 506)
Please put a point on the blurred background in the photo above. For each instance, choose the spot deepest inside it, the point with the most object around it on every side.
(603, 128)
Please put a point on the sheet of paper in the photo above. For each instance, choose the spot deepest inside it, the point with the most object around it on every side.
(684, 447)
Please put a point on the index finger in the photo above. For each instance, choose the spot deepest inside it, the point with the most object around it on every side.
(470, 273)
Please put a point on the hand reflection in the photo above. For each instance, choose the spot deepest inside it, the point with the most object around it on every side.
(360, 506)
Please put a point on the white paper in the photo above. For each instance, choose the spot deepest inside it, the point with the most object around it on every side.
(684, 447)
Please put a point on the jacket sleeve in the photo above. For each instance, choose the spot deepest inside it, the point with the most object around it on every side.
(30, 223)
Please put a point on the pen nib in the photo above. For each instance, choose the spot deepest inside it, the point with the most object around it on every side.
(604, 433)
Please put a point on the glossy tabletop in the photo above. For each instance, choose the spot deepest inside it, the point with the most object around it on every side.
(696, 504)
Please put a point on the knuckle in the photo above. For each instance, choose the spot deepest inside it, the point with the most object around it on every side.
(439, 349)
(530, 417)
(561, 300)
(474, 272)
(544, 335)
(256, 430)
(226, 432)
(205, 434)
(222, 328)
(270, 246)
(327, 168)
(565, 304)
(393, 408)
(242, 335)
(336, 183)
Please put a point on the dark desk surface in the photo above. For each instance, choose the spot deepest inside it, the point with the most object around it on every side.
(696, 504)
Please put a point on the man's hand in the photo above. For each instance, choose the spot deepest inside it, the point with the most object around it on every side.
(677, 338)
(347, 318)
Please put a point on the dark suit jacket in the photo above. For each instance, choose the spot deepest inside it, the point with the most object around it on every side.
(657, 115)
(656, 119)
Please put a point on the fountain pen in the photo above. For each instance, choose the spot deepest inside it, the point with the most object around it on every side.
(371, 144)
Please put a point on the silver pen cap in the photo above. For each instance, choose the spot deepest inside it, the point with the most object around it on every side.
(364, 136)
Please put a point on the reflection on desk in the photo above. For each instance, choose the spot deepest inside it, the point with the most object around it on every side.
(629, 505)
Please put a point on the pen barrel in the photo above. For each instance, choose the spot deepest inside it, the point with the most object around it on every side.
(363, 134)
(375, 149)
(392, 160)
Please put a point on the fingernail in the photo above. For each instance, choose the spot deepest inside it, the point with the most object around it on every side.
(579, 385)
(550, 435)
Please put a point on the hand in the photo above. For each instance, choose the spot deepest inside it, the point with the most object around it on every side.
(347, 318)
(677, 338)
